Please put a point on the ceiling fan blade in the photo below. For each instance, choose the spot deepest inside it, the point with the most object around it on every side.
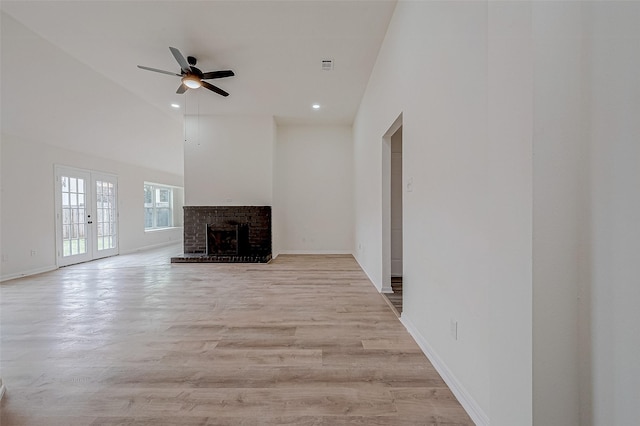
(181, 60)
(217, 74)
(157, 70)
(182, 89)
(213, 88)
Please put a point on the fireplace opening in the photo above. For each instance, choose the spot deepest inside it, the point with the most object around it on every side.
(227, 240)
(222, 240)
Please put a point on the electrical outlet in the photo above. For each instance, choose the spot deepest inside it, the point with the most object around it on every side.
(33, 253)
(453, 329)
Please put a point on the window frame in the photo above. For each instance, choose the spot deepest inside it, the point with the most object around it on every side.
(155, 205)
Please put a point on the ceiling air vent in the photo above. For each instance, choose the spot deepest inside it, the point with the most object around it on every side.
(327, 65)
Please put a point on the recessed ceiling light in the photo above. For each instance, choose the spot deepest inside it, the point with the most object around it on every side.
(175, 106)
(315, 106)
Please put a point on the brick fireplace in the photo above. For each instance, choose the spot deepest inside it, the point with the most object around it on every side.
(226, 234)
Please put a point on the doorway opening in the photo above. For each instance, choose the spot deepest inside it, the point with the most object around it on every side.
(392, 222)
(86, 215)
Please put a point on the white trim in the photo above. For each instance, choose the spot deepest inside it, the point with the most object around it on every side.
(3, 388)
(158, 187)
(58, 172)
(163, 184)
(385, 203)
(112, 179)
(316, 252)
(470, 405)
(54, 267)
(390, 289)
(397, 123)
(28, 273)
(166, 228)
(386, 290)
(367, 274)
(150, 247)
(383, 289)
(90, 194)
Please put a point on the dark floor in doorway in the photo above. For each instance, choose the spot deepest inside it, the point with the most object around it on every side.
(396, 297)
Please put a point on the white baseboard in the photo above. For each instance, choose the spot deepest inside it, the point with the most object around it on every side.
(54, 267)
(470, 405)
(150, 247)
(387, 288)
(367, 274)
(314, 252)
(28, 273)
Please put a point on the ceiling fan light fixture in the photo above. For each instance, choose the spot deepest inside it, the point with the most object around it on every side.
(190, 76)
(191, 81)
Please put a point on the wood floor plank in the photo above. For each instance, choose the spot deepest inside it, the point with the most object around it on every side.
(135, 340)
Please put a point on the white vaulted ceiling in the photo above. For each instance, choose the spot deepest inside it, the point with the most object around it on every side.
(274, 47)
(70, 76)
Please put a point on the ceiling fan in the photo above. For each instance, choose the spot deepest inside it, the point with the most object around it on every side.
(192, 77)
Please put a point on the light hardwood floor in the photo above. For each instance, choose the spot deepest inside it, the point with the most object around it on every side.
(135, 340)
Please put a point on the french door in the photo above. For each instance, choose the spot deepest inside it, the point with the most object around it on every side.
(86, 215)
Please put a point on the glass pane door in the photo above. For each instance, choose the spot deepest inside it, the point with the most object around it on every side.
(73, 216)
(86, 215)
(106, 215)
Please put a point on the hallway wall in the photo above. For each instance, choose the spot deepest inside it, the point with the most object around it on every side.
(520, 137)
(467, 257)
(613, 269)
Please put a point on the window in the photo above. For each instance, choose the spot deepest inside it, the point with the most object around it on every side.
(158, 206)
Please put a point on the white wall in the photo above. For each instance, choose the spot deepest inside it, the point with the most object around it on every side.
(509, 200)
(460, 74)
(303, 172)
(28, 203)
(70, 105)
(614, 272)
(521, 135)
(586, 212)
(560, 153)
(228, 161)
(313, 201)
(87, 121)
